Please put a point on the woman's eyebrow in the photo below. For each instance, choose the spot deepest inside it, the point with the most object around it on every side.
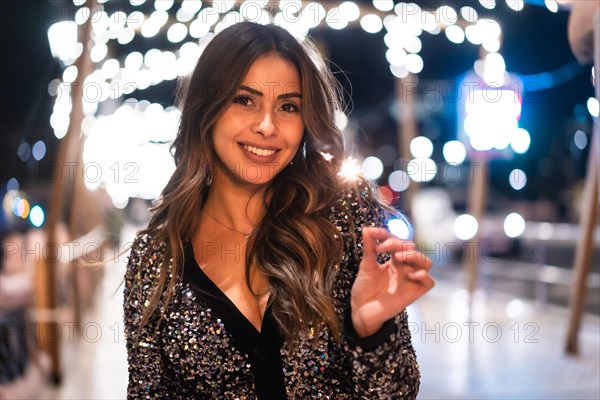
(260, 94)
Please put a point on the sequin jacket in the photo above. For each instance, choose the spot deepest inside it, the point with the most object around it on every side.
(189, 354)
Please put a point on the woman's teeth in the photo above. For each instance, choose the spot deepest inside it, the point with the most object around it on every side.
(260, 152)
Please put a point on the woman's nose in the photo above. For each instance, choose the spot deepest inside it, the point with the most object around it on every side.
(266, 125)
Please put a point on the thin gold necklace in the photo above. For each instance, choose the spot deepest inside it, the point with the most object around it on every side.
(246, 235)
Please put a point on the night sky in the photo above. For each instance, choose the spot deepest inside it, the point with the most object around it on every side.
(534, 41)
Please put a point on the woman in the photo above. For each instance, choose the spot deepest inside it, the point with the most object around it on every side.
(255, 277)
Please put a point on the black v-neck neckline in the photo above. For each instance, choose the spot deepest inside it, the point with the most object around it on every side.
(227, 310)
(262, 348)
(216, 292)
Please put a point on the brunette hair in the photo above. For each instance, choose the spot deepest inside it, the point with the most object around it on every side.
(295, 245)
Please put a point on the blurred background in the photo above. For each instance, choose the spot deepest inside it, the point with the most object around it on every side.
(477, 118)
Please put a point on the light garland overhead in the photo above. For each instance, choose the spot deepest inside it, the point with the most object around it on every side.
(188, 26)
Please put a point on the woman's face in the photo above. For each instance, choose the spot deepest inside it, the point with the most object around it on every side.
(260, 131)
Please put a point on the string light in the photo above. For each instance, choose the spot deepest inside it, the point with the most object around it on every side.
(371, 23)
(455, 34)
(383, 5)
(469, 14)
(404, 23)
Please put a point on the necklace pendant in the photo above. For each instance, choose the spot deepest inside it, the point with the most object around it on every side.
(246, 235)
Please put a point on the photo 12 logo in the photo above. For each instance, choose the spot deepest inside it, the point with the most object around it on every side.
(472, 332)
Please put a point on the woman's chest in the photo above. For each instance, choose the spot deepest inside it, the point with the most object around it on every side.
(224, 265)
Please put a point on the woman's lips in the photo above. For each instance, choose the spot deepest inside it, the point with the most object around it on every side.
(259, 154)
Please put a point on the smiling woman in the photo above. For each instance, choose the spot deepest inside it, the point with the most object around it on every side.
(263, 273)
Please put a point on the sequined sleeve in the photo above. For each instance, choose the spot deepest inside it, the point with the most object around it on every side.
(384, 366)
(147, 376)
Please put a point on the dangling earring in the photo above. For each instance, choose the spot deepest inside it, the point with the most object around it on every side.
(300, 154)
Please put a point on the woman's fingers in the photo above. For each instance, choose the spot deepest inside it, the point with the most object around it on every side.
(404, 252)
(393, 243)
(378, 234)
(421, 276)
(369, 243)
(414, 259)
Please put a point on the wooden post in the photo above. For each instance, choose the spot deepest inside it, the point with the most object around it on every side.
(66, 153)
(589, 219)
(407, 129)
(476, 207)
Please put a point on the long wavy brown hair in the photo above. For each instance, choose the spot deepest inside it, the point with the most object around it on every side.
(295, 245)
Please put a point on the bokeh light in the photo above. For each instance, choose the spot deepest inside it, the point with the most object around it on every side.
(517, 179)
(399, 181)
(455, 34)
(177, 32)
(514, 225)
(22, 208)
(372, 168)
(36, 216)
(454, 152)
(469, 14)
(386, 194)
(551, 5)
(39, 150)
(421, 169)
(520, 141)
(383, 5)
(421, 147)
(580, 139)
(515, 5)
(371, 23)
(399, 228)
(24, 151)
(465, 227)
(489, 4)
(593, 107)
(12, 184)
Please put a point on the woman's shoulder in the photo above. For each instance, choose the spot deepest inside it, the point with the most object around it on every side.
(147, 241)
(357, 188)
(358, 204)
(146, 253)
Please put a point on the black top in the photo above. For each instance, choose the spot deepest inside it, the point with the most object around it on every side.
(263, 348)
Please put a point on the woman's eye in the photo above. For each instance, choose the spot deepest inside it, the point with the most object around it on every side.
(243, 100)
(290, 107)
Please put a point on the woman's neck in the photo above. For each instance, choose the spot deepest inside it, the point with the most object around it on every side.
(239, 207)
